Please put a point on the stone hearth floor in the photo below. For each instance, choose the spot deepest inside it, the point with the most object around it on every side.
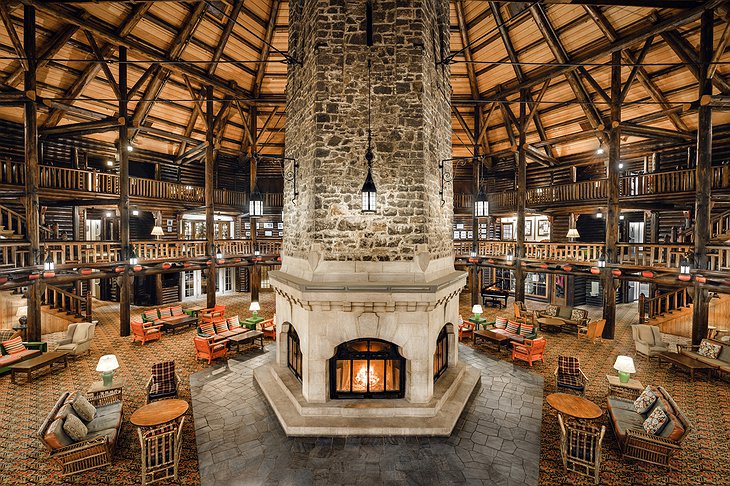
(496, 441)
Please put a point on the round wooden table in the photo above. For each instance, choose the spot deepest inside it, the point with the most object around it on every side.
(574, 406)
(552, 324)
(159, 412)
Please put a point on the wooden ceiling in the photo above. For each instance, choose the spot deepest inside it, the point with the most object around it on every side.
(559, 51)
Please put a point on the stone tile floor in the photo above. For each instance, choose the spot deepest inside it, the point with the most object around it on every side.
(496, 441)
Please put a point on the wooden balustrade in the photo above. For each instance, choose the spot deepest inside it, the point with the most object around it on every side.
(659, 305)
(69, 302)
(11, 222)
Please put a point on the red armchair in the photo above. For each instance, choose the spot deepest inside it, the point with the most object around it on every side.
(210, 348)
(145, 331)
(466, 329)
(268, 327)
(207, 315)
(531, 350)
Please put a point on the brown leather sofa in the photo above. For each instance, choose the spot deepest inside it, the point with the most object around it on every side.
(722, 363)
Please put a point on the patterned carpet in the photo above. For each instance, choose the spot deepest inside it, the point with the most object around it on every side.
(705, 455)
(703, 460)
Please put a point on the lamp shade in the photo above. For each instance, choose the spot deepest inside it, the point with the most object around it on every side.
(107, 363)
(476, 309)
(573, 233)
(624, 364)
(22, 311)
(157, 231)
(254, 307)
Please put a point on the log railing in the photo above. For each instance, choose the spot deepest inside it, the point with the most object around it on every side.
(659, 305)
(719, 228)
(69, 302)
(657, 183)
(15, 222)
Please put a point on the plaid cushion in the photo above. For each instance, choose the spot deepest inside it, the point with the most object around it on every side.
(550, 310)
(150, 315)
(163, 377)
(14, 346)
(233, 322)
(207, 328)
(220, 326)
(526, 329)
(217, 347)
(573, 381)
(500, 322)
(176, 310)
(513, 327)
(568, 365)
(165, 312)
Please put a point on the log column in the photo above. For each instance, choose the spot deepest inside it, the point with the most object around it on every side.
(612, 210)
(521, 201)
(254, 281)
(212, 281)
(125, 280)
(703, 179)
(32, 208)
(476, 172)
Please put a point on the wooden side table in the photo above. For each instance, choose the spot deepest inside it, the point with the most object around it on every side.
(252, 321)
(106, 394)
(480, 321)
(631, 389)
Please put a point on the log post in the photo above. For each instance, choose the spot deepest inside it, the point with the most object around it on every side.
(125, 279)
(612, 211)
(521, 200)
(254, 281)
(703, 179)
(476, 172)
(212, 280)
(32, 208)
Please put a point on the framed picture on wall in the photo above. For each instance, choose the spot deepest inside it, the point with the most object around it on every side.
(543, 228)
(247, 225)
(528, 227)
(281, 233)
(268, 233)
(248, 234)
(507, 231)
(280, 225)
(460, 226)
(268, 225)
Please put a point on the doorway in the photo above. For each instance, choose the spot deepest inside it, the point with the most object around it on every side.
(636, 235)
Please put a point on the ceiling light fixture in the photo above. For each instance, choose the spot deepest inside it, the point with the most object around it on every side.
(368, 191)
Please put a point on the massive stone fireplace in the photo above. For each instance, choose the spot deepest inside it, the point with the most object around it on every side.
(367, 303)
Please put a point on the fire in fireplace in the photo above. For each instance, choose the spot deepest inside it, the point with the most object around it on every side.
(367, 368)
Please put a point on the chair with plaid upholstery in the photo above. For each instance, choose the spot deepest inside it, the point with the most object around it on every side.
(569, 375)
(164, 381)
(580, 448)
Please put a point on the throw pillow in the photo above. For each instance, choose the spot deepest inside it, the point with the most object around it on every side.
(75, 428)
(55, 437)
(526, 329)
(165, 312)
(221, 326)
(233, 322)
(207, 328)
(577, 315)
(644, 401)
(500, 322)
(655, 421)
(83, 408)
(513, 327)
(176, 310)
(151, 315)
(14, 346)
(551, 311)
(707, 349)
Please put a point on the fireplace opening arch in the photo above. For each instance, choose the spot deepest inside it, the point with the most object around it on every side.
(367, 368)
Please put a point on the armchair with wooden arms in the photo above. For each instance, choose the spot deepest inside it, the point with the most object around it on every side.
(268, 327)
(207, 315)
(145, 331)
(593, 331)
(569, 375)
(466, 328)
(163, 383)
(580, 447)
(210, 348)
(522, 315)
(531, 350)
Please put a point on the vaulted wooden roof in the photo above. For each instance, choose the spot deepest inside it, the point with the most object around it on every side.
(557, 50)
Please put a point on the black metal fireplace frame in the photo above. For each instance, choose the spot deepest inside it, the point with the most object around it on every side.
(343, 353)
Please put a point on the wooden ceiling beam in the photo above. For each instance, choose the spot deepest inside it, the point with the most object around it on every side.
(265, 126)
(13, 34)
(688, 55)
(464, 35)
(237, 4)
(90, 72)
(142, 80)
(592, 113)
(646, 81)
(463, 124)
(616, 3)
(724, 38)
(266, 48)
(654, 132)
(197, 97)
(594, 84)
(102, 63)
(51, 48)
(635, 69)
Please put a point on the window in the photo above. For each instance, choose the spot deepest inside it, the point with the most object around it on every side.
(441, 356)
(294, 352)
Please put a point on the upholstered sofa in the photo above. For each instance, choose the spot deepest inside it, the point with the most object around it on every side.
(637, 443)
(221, 327)
(516, 331)
(7, 359)
(156, 315)
(648, 340)
(570, 316)
(96, 448)
(78, 338)
(721, 363)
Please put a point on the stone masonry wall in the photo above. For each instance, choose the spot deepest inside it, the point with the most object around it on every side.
(326, 129)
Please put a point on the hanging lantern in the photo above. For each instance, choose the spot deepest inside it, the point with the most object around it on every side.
(602, 261)
(369, 192)
(132, 256)
(256, 202)
(685, 267)
(481, 205)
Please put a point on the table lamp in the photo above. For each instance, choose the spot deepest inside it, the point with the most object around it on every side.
(477, 310)
(625, 366)
(107, 364)
(255, 308)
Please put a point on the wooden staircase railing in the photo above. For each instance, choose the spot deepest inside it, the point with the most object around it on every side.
(14, 222)
(719, 228)
(71, 303)
(659, 305)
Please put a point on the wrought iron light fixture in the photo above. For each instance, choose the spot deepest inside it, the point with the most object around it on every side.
(481, 205)
(49, 265)
(368, 191)
(602, 261)
(132, 256)
(685, 266)
(218, 253)
(256, 199)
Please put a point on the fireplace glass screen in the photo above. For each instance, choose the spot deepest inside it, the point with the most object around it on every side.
(367, 368)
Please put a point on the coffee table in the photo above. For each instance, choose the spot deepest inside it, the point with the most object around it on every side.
(244, 337)
(30, 365)
(684, 362)
(574, 406)
(159, 412)
(173, 323)
(491, 337)
(551, 323)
